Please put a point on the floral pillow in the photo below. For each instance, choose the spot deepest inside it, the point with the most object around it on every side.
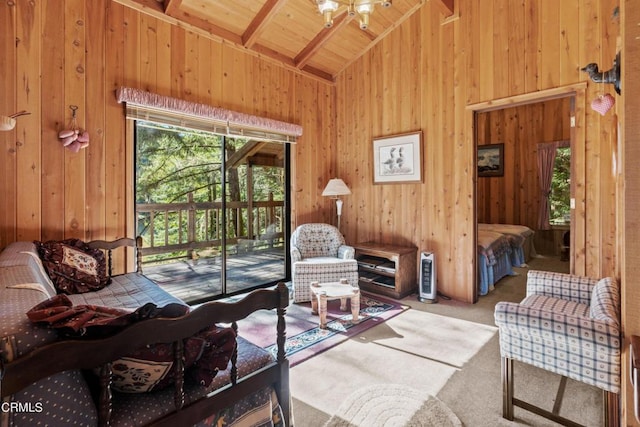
(152, 368)
(73, 266)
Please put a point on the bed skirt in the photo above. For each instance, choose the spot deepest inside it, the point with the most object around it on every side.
(488, 275)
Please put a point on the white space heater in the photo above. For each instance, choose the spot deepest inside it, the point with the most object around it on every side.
(428, 289)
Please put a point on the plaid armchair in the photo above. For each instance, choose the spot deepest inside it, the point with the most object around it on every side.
(566, 324)
(319, 253)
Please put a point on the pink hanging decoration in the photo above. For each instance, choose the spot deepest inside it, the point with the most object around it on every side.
(74, 138)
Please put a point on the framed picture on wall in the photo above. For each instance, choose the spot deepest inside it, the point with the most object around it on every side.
(491, 160)
(397, 159)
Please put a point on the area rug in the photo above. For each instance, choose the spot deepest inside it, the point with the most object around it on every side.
(304, 338)
(392, 405)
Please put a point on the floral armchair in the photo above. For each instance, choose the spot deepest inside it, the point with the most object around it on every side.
(319, 253)
(569, 325)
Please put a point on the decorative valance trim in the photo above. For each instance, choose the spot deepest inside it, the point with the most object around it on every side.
(231, 118)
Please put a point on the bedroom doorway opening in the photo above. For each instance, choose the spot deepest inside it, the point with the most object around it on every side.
(513, 195)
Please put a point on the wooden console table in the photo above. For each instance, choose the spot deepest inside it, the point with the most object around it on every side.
(387, 269)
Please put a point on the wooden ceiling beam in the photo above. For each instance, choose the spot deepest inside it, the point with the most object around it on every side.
(172, 6)
(265, 160)
(148, 6)
(446, 7)
(172, 9)
(273, 54)
(260, 21)
(322, 75)
(155, 8)
(247, 150)
(340, 21)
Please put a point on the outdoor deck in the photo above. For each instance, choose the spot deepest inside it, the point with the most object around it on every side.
(196, 280)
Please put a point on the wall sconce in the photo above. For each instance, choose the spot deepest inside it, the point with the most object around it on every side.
(336, 187)
(9, 122)
(74, 138)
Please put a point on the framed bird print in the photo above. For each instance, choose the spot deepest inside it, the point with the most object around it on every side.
(397, 159)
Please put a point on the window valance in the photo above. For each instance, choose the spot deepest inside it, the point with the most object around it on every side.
(143, 105)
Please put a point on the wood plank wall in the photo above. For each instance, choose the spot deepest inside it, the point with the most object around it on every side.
(57, 53)
(423, 76)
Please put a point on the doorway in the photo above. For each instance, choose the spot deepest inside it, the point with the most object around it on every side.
(518, 124)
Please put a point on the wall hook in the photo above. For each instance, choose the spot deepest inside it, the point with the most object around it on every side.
(611, 76)
(74, 138)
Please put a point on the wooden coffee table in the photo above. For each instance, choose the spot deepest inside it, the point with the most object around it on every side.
(323, 292)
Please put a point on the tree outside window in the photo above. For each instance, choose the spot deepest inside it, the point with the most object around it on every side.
(560, 197)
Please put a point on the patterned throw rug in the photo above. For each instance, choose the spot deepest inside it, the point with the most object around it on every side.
(305, 339)
(392, 405)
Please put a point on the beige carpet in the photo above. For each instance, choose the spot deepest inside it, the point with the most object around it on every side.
(448, 350)
(392, 405)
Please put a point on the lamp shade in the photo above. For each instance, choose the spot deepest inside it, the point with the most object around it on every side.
(336, 187)
(7, 123)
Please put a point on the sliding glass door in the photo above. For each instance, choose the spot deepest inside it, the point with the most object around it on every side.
(211, 210)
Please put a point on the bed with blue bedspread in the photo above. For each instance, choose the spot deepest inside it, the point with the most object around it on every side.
(494, 259)
(520, 238)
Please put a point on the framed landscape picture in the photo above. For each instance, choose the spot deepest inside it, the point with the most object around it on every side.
(491, 160)
(398, 158)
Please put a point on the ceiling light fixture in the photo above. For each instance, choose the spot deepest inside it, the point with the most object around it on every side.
(364, 9)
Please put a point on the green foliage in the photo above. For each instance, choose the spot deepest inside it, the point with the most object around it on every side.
(172, 163)
(560, 197)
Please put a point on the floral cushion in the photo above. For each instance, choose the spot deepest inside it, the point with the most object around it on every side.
(73, 266)
(152, 368)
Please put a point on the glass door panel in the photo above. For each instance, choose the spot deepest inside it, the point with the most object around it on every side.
(254, 207)
(210, 210)
(178, 208)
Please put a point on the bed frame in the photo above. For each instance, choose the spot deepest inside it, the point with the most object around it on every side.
(70, 354)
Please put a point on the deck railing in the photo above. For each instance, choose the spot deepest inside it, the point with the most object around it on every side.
(169, 228)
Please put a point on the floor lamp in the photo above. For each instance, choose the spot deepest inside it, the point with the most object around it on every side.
(336, 187)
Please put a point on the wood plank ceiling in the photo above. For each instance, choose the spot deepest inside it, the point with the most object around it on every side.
(288, 31)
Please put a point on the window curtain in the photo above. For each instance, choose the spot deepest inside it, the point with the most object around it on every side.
(162, 109)
(546, 162)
